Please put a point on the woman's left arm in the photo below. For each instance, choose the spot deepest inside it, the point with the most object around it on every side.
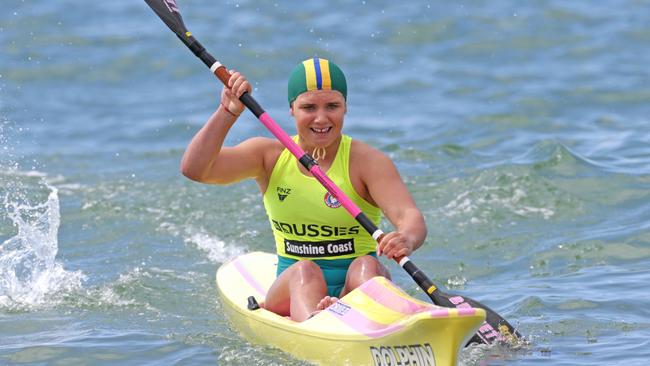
(389, 192)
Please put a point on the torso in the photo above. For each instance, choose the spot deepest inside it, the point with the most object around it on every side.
(358, 151)
(307, 221)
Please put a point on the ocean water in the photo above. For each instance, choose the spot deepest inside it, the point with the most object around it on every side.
(521, 128)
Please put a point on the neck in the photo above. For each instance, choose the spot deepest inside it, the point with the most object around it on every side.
(321, 153)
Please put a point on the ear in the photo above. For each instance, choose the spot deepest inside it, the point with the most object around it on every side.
(291, 110)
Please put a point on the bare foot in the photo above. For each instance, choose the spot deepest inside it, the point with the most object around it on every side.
(325, 302)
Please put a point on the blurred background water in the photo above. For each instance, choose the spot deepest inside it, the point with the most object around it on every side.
(521, 128)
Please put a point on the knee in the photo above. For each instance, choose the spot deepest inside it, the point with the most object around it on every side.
(368, 266)
(364, 261)
(307, 270)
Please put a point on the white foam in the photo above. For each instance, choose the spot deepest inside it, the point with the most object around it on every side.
(30, 275)
(480, 203)
(218, 251)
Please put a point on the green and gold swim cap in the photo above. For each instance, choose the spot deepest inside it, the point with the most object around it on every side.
(316, 74)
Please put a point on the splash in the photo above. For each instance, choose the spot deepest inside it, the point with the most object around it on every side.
(30, 275)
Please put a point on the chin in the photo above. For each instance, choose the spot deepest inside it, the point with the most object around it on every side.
(324, 141)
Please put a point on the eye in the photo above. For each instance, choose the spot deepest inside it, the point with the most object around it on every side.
(308, 107)
(333, 106)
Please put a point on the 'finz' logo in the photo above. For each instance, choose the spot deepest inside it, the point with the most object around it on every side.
(331, 201)
(171, 5)
(283, 193)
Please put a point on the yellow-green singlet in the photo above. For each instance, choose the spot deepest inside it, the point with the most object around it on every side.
(307, 222)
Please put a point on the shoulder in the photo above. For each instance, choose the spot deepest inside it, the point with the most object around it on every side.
(269, 150)
(369, 165)
(262, 143)
(262, 150)
(260, 147)
(365, 155)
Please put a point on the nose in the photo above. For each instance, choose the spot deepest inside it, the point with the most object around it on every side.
(321, 115)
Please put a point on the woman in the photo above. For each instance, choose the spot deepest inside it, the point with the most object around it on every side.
(323, 253)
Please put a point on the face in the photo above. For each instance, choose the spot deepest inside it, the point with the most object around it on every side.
(319, 117)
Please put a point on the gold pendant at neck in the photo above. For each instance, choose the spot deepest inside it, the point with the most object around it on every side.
(319, 153)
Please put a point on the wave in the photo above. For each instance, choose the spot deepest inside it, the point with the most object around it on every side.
(559, 157)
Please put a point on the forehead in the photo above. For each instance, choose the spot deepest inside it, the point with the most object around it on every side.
(320, 96)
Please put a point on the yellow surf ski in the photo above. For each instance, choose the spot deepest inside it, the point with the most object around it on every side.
(376, 324)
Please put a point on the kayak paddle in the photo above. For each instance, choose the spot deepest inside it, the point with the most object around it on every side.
(494, 329)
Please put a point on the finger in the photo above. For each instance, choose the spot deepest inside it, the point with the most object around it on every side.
(383, 247)
(235, 81)
(234, 75)
(247, 87)
(390, 253)
(380, 244)
(403, 252)
(242, 88)
(395, 247)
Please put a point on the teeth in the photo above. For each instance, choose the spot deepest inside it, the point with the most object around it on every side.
(320, 130)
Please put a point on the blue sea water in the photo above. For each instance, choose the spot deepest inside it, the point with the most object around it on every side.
(521, 128)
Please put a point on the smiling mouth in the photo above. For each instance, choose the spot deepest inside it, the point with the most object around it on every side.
(321, 130)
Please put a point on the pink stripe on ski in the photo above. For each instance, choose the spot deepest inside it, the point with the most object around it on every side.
(399, 304)
(466, 311)
(246, 275)
(390, 299)
(359, 322)
(370, 328)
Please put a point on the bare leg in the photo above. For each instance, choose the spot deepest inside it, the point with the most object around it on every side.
(298, 291)
(361, 270)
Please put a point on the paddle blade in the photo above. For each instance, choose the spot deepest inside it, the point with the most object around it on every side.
(168, 12)
(494, 329)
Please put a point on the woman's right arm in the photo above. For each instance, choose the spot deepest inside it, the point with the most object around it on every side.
(206, 160)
